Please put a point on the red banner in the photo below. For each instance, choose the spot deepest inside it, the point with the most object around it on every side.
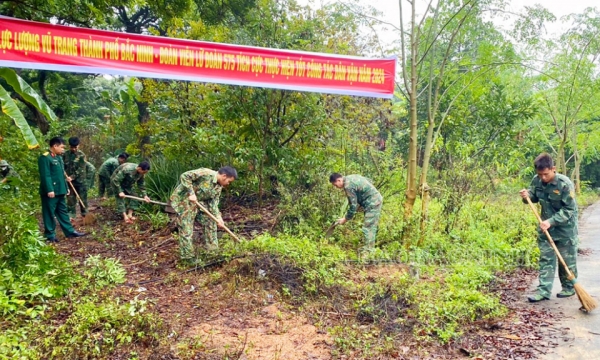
(32, 45)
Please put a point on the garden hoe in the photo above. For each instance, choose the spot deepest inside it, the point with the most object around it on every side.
(88, 218)
(237, 240)
(168, 207)
(329, 231)
(588, 303)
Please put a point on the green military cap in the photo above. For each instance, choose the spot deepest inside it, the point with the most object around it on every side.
(3, 163)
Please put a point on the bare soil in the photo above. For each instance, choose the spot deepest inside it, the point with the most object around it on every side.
(225, 312)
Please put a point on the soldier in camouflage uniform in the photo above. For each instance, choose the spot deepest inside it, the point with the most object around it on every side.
(555, 193)
(74, 161)
(360, 191)
(7, 172)
(106, 171)
(204, 186)
(122, 181)
(90, 175)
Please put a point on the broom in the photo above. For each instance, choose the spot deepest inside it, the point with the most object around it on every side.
(89, 218)
(217, 221)
(588, 303)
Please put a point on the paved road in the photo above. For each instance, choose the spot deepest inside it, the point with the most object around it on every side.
(582, 331)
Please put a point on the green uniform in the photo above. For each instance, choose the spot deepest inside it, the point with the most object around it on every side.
(560, 209)
(52, 179)
(122, 180)
(361, 192)
(104, 174)
(7, 173)
(202, 182)
(8, 176)
(75, 169)
(90, 175)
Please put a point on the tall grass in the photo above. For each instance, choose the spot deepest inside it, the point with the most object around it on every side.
(163, 177)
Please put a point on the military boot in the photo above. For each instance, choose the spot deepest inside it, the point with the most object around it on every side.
(566, 293)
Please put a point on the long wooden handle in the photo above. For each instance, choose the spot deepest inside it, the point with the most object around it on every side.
(75, 191)
(216, 220)
(141, 199)
(562, 261)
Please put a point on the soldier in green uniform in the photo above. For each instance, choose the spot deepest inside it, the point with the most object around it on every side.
(53, 189)
(204, 186)
(90, 175)
(106, 171)
(122, 181)
(360, 191)
(555, 193)
(7, 172)
(74, 160)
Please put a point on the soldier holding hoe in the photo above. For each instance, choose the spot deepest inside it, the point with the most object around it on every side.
(122, 181)
(74, 161)
(203, 186)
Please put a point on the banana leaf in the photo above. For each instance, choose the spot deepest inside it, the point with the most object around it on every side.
(31, 96)
(10, 108)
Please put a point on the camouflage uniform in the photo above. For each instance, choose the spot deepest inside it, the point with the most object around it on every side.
(361, 192)
(122, 180)
(104, 174)
(560, 209)
(90, 175)
(8, 173)
(202, 182)
(75, 168)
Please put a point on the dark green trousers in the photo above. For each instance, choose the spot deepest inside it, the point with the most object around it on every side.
(55, 207)
(104, 186)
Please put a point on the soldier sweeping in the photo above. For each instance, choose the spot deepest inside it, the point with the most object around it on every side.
(122, 181)
(106, 170)
(204, 186)
(53, 189)
(555, 194)
(360, 191)
(74, 161)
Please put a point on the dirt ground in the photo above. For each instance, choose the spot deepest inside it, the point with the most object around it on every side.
(219, 313)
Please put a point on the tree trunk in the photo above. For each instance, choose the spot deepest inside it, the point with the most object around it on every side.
(40, 120)
(411, 187)
(143, 119)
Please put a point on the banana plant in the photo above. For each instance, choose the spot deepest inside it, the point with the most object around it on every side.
(10, 108)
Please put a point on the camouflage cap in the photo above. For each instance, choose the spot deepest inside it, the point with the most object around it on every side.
(3, 163)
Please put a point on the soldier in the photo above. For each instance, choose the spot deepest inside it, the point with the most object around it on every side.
(555, 194)
(204, 186)
(75, 168)
(53, 188)
(106, 171)
(7, 172)
(360, 191)
(90, 174)
(122, 181)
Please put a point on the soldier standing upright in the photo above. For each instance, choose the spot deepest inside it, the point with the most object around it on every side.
(74, 160)
(53, 189)
(555, 193)
(106, 170)
(122, 181)
(360, 191)
(204, 186)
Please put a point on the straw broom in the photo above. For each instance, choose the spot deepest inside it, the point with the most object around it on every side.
(588, 303)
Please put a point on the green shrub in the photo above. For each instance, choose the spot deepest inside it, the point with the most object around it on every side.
(104, 272)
